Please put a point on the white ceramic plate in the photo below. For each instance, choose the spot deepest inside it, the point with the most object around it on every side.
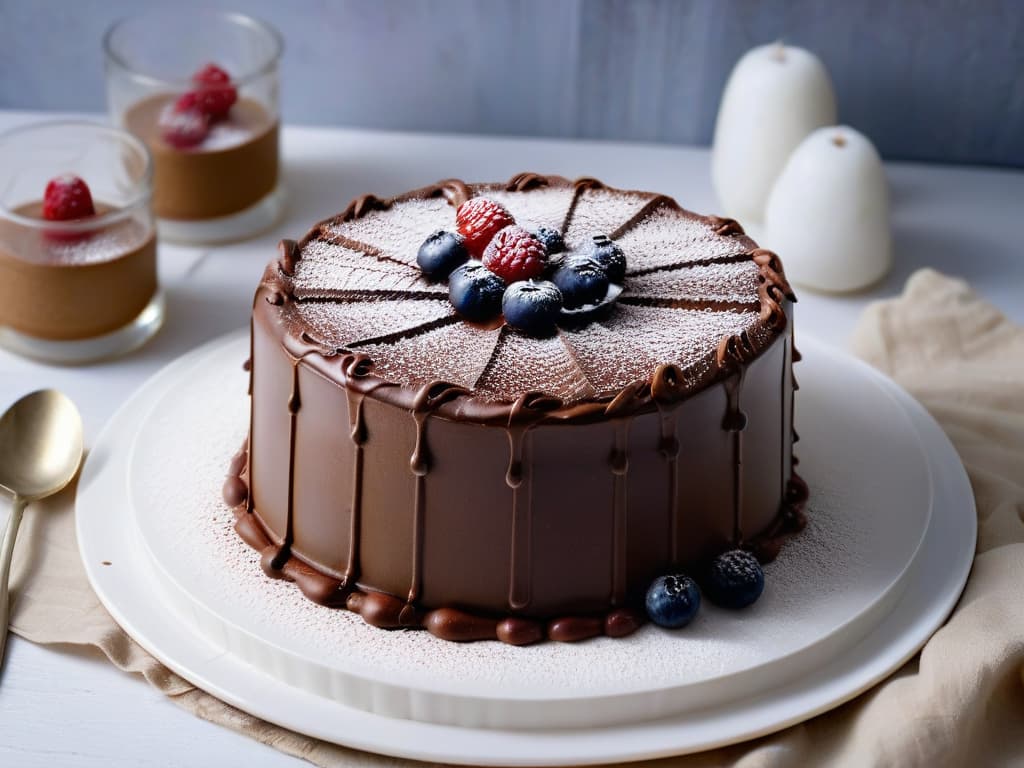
(829, 588)
(885, 557)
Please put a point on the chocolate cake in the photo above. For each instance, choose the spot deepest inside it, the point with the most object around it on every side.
(483, 482)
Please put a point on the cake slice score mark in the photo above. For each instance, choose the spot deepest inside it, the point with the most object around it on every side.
(405, 333)
(457, 352)
(652, 205)
(554, 368)
(600, 211)
(665, 236)
(735, 282)
(331, 270)
(340, 325)
(396, 231)
(647, 336)
(683, 263)
(541, 207)
(693, 305)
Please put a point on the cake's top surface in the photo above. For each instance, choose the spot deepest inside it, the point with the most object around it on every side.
(692, 284)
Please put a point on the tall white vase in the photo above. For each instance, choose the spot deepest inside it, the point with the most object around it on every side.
(828, 213)
(775, 96)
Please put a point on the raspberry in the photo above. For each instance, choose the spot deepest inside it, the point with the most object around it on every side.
(187, 102)
(183, 128)
(211, 74)
(216, 102)
(515, 254)
(67, 197)
(215, 94)
(478, 220)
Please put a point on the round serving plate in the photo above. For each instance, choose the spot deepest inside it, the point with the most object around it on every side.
(826, 592)
(884, 557)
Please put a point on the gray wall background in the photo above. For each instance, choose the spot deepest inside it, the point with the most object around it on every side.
(925, 79)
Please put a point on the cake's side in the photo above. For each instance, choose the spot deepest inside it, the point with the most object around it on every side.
(478, 518)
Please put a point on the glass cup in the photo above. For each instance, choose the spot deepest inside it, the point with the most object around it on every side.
(215, 172)
(86, 289)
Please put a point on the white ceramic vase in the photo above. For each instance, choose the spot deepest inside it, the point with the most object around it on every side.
(775, 96)
(828, 213)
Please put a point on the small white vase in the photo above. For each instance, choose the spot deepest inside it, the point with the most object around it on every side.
(775, 96)
(828, 213)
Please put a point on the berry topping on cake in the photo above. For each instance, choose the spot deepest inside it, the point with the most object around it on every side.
(734, 580)
(441, 253)
(552, 239)
(515, 254)
(215, 95)
(672, 601)
(184, 127)
(581, 280)
(478, 220)
(605, 252)
(475, 291)
(67, 197)
(532, 306)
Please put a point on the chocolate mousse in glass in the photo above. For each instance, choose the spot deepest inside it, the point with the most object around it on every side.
(78, 278)
(200, 88)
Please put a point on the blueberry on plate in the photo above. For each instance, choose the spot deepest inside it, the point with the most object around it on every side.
(441, 253)
(672, 601)
(734, 580)
(605, 252)
(581, 280)
(552, 239)
(532, 306)
(475, 291)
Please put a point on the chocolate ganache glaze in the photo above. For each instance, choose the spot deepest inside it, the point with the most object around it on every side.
(428, 472)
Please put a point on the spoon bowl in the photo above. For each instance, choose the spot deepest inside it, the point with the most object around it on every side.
(40, 445)
(40, 450)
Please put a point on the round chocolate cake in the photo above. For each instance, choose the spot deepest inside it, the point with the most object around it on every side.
(526, 470)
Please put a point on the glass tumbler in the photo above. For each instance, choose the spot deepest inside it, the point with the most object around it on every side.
(83, 289)
(200, 88)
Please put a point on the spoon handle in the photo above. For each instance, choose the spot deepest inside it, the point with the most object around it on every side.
(6, 555)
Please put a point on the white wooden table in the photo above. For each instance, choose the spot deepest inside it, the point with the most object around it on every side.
(71, 708)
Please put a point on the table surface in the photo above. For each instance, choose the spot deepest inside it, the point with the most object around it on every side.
(70, 707)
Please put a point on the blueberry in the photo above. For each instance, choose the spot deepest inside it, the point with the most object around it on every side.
(475, 291)
(581, 280)
(532, 306)
(672, 601)
(610, 256)
(734, 580)
(441, 253)
(552, 239)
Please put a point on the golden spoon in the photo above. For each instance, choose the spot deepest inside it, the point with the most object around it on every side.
(40, 450)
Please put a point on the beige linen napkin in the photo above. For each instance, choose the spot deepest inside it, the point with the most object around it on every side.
(960, 702)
